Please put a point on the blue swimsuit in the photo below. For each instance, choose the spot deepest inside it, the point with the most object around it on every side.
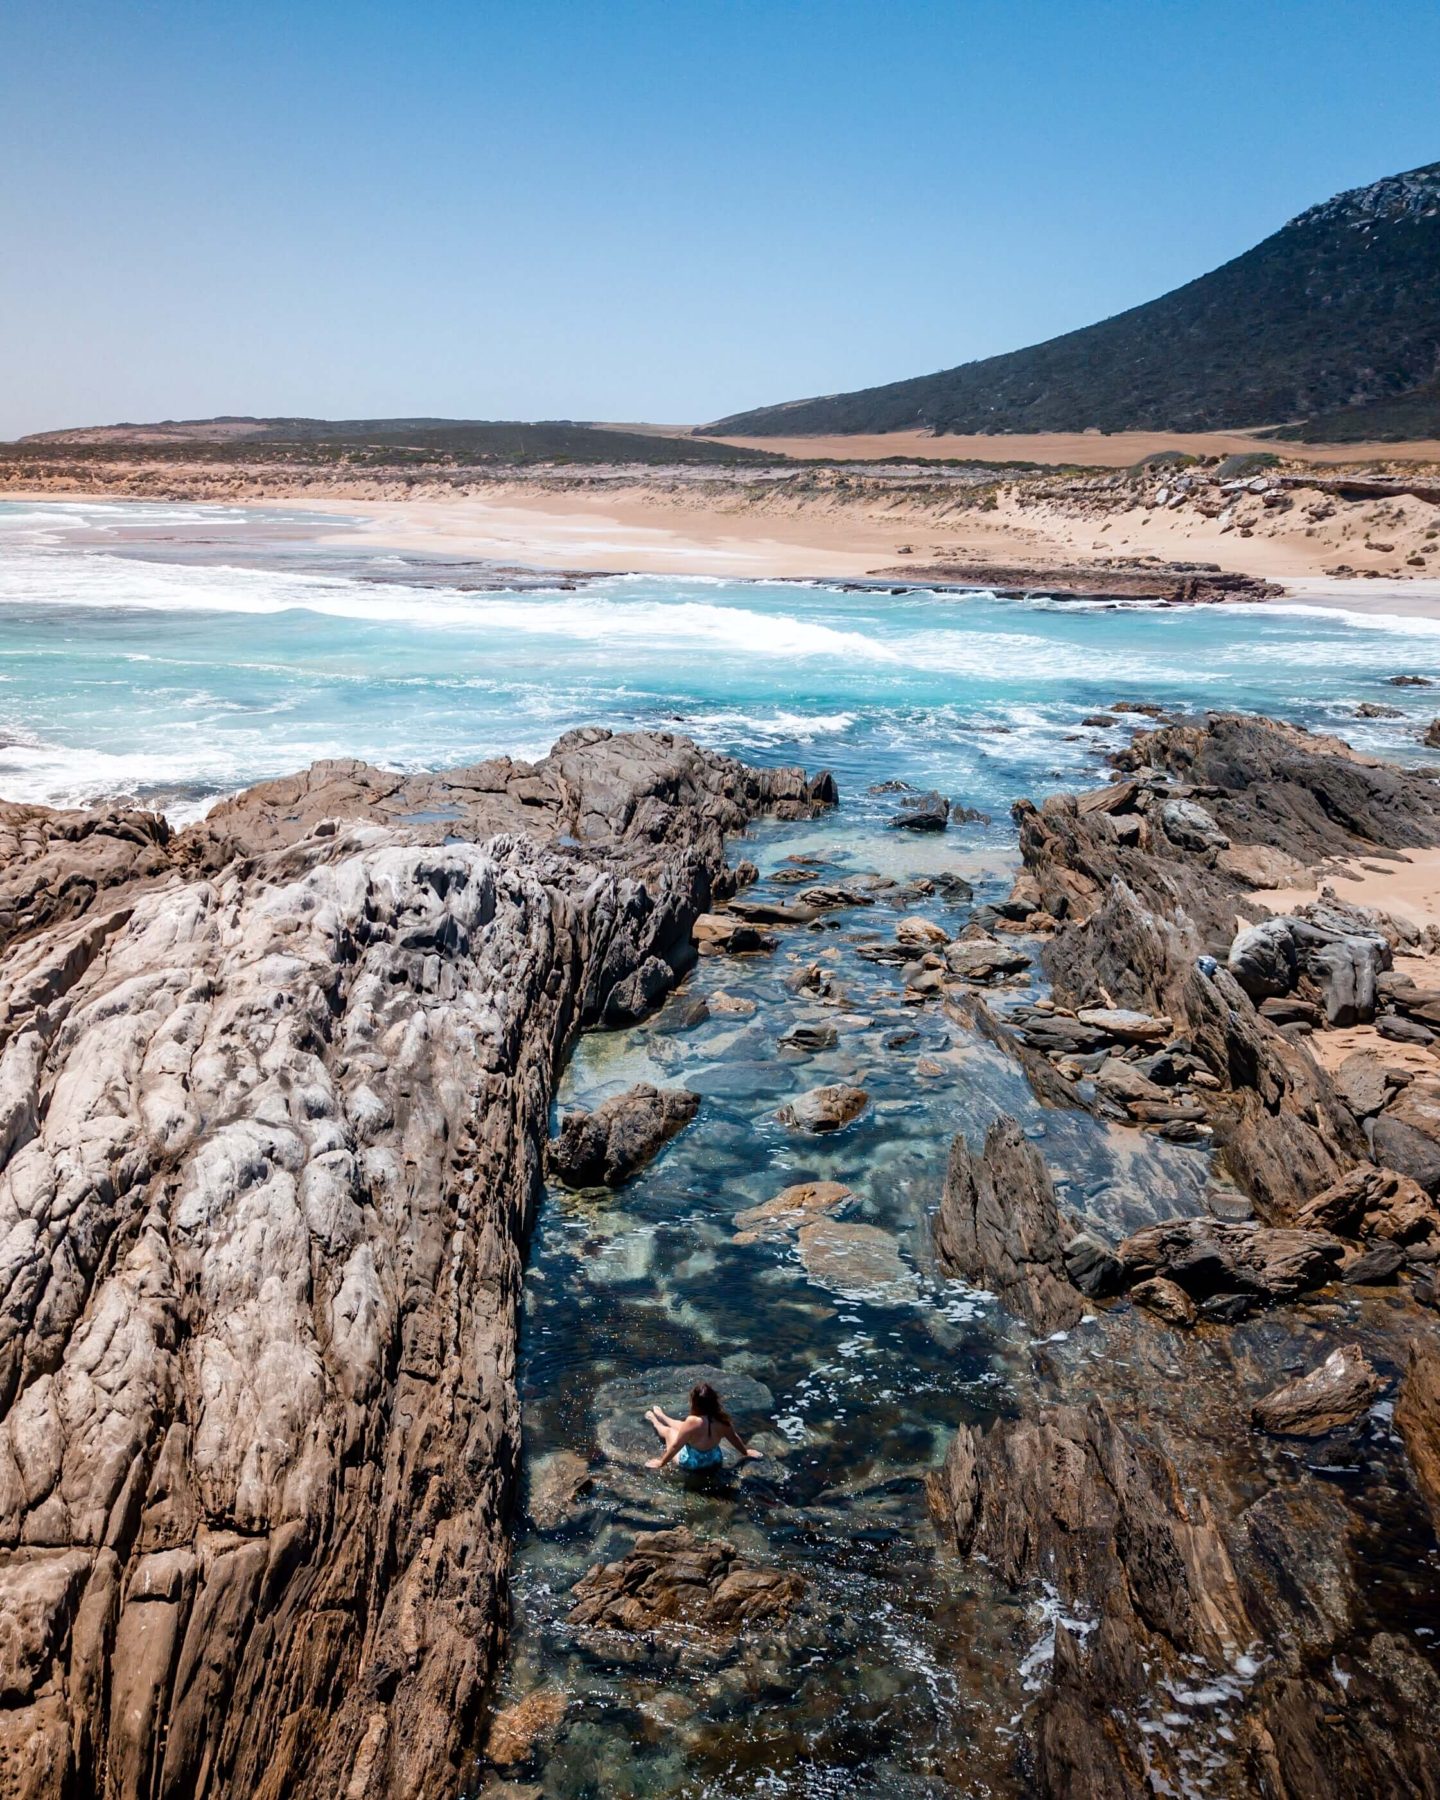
(688, 1457)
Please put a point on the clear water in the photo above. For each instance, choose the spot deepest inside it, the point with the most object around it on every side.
(166, 654)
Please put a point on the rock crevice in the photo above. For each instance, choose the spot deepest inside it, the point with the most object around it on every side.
(273, 1097)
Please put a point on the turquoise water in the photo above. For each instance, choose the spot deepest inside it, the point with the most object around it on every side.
(169, 653)
(166, 654)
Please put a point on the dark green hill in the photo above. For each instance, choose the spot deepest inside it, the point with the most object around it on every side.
(1410, 416)
(1339, 309)
(406, 441)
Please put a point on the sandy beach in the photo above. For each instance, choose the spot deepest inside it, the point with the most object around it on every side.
(1331, 542)
(1087, 449)
(639, 530)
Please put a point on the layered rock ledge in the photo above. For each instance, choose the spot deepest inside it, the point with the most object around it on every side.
(1231, 1540)
(273, 1100)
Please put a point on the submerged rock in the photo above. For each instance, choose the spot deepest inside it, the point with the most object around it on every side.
(791, 1208)
(609, 1146)
(675, 1579)
(860, 1261)
(822, 1109)
(810, 1038)
(554, 1483)
(517, 1730)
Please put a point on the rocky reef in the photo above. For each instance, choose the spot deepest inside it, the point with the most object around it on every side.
(273, 1103)
(1222, 1466)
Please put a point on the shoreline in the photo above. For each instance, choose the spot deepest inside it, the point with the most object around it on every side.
(1012, 546)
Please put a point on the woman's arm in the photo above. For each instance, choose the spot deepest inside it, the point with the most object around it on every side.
(732, 1436)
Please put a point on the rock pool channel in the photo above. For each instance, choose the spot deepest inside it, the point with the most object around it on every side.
(845, 1356)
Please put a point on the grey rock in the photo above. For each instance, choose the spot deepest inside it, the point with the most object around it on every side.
(983, 959)
(1264, 959)
(1372, 1267)
(1207, 1256)
(1093, 1266)
(999, 1225)
(923, 812)
(1191, 827)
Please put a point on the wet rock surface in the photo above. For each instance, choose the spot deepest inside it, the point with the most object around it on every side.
(999, 1225)
(273, 1092)
(677, 1579)
(1330, 1396)
(605, 1148)
(1144, 1482)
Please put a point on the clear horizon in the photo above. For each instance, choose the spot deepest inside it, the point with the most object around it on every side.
(637, 213)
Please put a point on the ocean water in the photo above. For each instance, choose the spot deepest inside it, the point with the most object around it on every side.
(166, 654)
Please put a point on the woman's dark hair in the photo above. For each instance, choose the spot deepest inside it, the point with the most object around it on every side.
(706, 1403)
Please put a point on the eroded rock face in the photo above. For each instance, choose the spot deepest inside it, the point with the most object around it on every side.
(1212, 1256)
(1417, 1414)
(272, 1094)
(999, 1226)
(1132, 1487)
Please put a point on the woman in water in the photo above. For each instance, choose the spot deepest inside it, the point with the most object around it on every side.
(695, 1442)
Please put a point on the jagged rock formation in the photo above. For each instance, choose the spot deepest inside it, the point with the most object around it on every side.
(1226, 1619)
(999, 1224)
(273, 1093)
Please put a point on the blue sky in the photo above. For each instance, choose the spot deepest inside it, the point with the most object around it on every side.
(635, 209)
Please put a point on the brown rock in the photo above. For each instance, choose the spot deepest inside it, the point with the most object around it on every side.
(1165, 1300)
(722, 934)
(1371, 1202)
(1332, 1395)
(273, 1097)
(999, 1226)
(609, 1146)
(920, 934)
(1126, 1025)
(516, 1731)
(1417, 1416)
(1210, 1256)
